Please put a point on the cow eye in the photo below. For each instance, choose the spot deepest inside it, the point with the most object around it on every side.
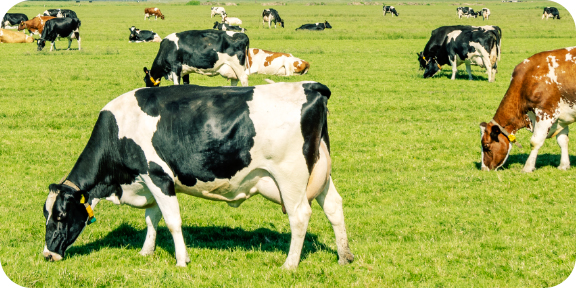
(485, 148)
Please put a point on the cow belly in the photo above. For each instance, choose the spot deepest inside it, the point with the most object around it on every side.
(221, 67)
(567, 113)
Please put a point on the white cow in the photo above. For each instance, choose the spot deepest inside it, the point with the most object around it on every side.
(217, 10)
(231, 20)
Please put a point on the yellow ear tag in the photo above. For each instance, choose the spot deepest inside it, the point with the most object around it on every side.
(512, 138)
(423, 57)
(82, 200)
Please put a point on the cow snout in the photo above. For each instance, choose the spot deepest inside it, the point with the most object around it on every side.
(51, 256)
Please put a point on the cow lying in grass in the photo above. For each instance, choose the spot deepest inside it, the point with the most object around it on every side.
(137, 36)
(7, 36)
(274, 63)
(315, 27)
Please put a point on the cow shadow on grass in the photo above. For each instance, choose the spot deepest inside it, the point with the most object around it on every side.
(211, 237)
(463, 75)
(543, 160)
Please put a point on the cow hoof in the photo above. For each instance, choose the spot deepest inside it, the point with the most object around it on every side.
(289, 267)
(187, 259)
(146, 253)
(180, 264)
(564, 167)
(528, 170)
(346, 259)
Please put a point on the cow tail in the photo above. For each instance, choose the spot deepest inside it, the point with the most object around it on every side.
(247, 64)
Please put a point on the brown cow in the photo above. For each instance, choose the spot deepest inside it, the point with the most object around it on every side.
(35, 25)
(7, 36)
(153, 12)
(542, 99)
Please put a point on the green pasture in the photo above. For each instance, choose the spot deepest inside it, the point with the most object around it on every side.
(405, 150)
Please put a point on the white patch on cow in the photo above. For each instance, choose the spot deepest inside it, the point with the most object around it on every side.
(487, 27)
(230, 33)
(452, 35)
(552, 65)
(155, 9)
(568, 57)
(525, 61)
(172, 37)
(50, 204)
(227, 66)
(570, 48)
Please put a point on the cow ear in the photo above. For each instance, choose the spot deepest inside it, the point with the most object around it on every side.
(494, 134)
(145, 70)
(483, 127)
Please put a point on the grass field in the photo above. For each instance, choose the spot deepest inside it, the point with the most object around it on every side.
(405, 152)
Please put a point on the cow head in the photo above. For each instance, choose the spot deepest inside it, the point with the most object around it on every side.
(149, 80)
(133, 32)
(41, 43)
(162, 17)
(495, 146)
(65, 217)
(421, 60)
(22, 25)
(431, 68)
(327, 25)
(215, 25)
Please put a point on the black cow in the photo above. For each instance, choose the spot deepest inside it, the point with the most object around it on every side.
(218, 143)
(389, 9)
(315, 27)
(137, 36)
(60, 13)
(470, 45)
(466, 11)
(226, 27)
(60, 28)
(271, 15)
(551, 12)
(206, 52)
(13, 19)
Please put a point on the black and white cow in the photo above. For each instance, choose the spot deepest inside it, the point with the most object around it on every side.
(13, 19)
(466, 11)
(137, 36)
(60, 13)
(551, 12)
(218, 143)
(271, 15)
(206, 52)
(470, 45)
(226, 27)
(485, 13)
(60, 28)
(315, 27)
(389, 9)
(217, 10)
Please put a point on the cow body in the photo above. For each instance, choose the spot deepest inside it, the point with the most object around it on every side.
(231, 20)
(315, 27)
(12, 19)
(274, 63)
(466, 11)
(485, 13)
(137, 36)
(541, 98)
(389, 9)
(551, 12)
(206, 52)
(60, 13)
(36, 25)
(217, 10)
(218, 143)
(7, 36)
(153, 11)
(271, 15)
(60, 28)
(226, 27)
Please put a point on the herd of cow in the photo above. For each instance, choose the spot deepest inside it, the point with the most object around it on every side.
(231, 143)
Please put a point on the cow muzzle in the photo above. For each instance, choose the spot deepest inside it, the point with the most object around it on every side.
(51, 256)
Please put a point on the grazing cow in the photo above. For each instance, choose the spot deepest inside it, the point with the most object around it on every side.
(218, 143)
(217, 10)
(60, 28)
(273, 63)
(137, 36)
(153, 12)
(60, 13)
(206, 52)
(7, 36)
(226, 27)
(271, 15)
(551, 12)
(13, 19)
(315, 27)
(478, 46)
(485, 13)
(36, 25)
(231, 20)
(389, 9)
(540, 98)
(466, 11)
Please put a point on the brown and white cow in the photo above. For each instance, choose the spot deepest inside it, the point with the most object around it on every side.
(274, 63)
(35, 25)
(7, 36)
(153, 11)
(542, 99)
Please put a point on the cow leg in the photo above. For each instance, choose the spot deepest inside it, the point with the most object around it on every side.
(69, 43)
(469, 70)
(240, 74)
(454, 64)
(153, 216)
(541, 129)
(562, 139)
(52, 46)
(299, 212)
(233, 82)
(78, 39)
(331, 203)
(186, 79)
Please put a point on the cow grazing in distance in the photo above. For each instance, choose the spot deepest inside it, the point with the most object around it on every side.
(12, 19)
(36, 25)
(217, 10)
(137, 36)
(476, 46)
(152, 11)
(60, 28)
(60, 13)
(274, 63)
(485, 13)
(218, 143)
(226, 27)
(551, 12)
(315, 27)
(7, 36)
(271, 15)
(231, 20)
(541, 98)
(466, 11)
(206, 52)
(389, 9)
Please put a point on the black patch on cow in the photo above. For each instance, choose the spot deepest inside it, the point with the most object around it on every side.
(313, 121)
(494, 133)
(161, 179)
(203, 133)
(13, 19)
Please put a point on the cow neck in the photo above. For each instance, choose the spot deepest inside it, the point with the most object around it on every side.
(510, 114)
